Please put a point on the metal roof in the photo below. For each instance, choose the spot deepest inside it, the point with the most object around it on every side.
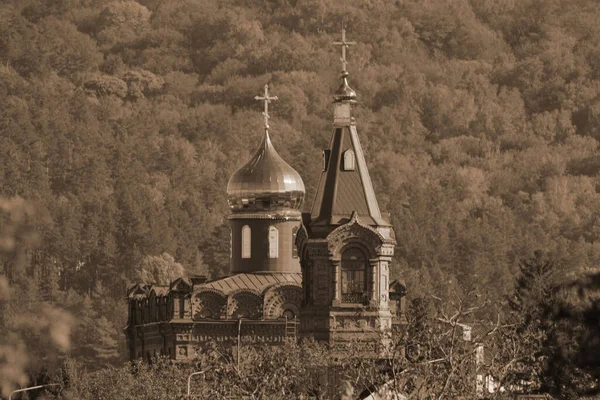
(266, 182)
(341, 192)
(254, 282)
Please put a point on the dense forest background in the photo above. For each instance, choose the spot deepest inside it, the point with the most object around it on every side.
(122, 121)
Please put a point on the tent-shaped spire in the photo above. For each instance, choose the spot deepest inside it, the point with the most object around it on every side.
(345, 186)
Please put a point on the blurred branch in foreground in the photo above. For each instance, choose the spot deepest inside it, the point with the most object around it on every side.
(28, 332)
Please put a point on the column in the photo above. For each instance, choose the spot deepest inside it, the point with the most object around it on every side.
(373, 264)
(187, 306)
(336, 281)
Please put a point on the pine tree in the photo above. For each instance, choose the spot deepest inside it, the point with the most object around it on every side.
(536, 287)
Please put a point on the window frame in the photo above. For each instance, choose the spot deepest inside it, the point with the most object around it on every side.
(349, 160)
(351, 274)
(246, 248)
(273, 251)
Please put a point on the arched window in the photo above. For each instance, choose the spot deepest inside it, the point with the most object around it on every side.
(349, 160)
(288, 314)
(273, 242)
(294, 247)
(246, 241)
(354, 283)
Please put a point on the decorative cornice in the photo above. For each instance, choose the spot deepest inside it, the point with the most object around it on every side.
(281, 285)
(212, 290)
(283, 216)
(355, 230)
(244, 290)
(355, 220)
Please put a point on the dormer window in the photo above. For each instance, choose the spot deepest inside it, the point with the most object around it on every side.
(349, 160)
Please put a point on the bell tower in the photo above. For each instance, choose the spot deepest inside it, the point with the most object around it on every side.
(345, 245)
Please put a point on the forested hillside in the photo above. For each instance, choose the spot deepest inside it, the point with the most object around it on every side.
(121, 122)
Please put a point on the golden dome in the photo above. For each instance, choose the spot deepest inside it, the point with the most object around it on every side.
(345, 92)
(266, 182)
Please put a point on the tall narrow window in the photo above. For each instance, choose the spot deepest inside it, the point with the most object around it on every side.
(181, 306)
(349, 160)
(354, 284)
(273, 242)
(246, 241)
(294, 247)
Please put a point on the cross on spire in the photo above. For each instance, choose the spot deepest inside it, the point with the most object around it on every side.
(344, 44)
(267, 100)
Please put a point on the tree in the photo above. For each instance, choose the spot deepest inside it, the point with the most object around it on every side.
(33, 332)
(554, 335)
(159, 270)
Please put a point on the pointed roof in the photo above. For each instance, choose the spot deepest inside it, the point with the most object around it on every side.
(345, 186)
(343, 190)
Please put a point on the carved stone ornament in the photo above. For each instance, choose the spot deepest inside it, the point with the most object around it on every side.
(348, 323)
(318, 248)
(245, 304)
(209, 304)
(281, 299)
(355, 231)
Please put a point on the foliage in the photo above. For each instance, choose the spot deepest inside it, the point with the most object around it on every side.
(123, 120)
(32, 331)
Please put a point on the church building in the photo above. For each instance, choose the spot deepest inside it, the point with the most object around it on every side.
(323, 274)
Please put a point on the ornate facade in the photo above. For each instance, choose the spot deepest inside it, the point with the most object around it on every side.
(345, 244)
(180, 319)
(327, 270)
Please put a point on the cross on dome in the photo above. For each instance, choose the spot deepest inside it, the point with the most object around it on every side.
(267, 100)
(344, 45)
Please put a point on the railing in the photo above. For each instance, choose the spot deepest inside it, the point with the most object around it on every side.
(353, 297)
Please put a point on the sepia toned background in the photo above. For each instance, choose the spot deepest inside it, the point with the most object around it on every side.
(122, 121)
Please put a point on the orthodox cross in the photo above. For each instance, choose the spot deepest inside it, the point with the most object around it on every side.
(267, 100)
(344, 46)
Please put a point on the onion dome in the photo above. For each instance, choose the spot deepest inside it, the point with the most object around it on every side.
(344, 92)
(266, 182)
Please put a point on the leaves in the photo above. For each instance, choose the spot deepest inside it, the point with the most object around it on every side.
(123, 121)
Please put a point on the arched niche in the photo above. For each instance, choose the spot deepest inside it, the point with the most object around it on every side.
(245, 304)
(209, 305)
(280, 299)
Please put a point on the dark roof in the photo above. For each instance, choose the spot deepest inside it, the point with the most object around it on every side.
(161, 290)
(138, 290)
(341, 192)
(397, 286)
(254, 282)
